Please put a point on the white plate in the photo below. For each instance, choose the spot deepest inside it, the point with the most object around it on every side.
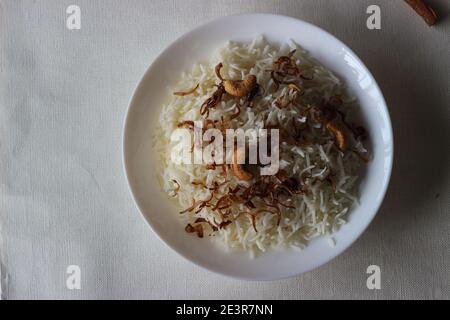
(152, 92)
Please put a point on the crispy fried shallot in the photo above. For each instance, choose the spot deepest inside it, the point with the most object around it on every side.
(337, 128)
(363, 156)
(186, 93)
(223, 203)
(203, 220)
(296, 88)
(236, 113)
(284, 102)
(213, 101)
(286, 71)
(224, 224)
(191, 208)
(195, 228)
(186, 124)
(253, 220)
(217, 70)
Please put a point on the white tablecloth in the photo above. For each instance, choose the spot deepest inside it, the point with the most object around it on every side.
(63, 195)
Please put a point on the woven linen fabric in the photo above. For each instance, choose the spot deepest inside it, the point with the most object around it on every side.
(64, 198)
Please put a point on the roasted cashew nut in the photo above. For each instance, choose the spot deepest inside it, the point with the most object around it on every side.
(337, 129)
(240, 88)
(237, 168)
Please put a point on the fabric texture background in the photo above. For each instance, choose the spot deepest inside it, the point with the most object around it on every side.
(64, 199)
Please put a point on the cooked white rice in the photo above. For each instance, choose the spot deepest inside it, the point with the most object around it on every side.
(318, 213)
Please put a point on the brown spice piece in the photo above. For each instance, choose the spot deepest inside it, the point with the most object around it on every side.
(424, 10)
